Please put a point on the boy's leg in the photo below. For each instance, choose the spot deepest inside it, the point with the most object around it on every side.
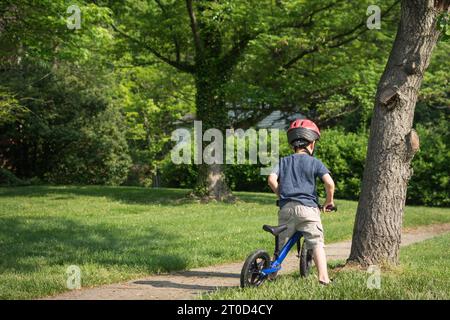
(311, 227)
(285, 216)
(320, 259)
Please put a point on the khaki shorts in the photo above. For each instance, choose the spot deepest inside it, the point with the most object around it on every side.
(304, 219)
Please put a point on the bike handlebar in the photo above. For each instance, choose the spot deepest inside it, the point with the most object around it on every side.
(329, 207)
(321, 208)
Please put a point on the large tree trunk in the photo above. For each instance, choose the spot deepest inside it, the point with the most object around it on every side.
(393, 142)
(211, 110)
(211, 75)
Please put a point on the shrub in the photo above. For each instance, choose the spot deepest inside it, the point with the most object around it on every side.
(430, 183)
(98, 156)
(139, 175)
(177, 176)
(344, 155)
(7, 178)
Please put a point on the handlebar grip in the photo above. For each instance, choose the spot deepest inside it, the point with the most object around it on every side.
(328, 208)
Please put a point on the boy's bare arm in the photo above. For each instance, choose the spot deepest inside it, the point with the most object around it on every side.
(329, 188)
(272, 180)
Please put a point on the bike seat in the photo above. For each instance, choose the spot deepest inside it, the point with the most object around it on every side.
(275, 230)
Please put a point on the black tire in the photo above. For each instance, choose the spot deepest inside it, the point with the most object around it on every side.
(306, 260)
(251, 270)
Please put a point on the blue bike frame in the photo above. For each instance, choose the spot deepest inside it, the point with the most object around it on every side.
(275, 266)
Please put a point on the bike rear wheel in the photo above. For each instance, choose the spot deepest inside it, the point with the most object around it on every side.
(306, 260)
(251, 275)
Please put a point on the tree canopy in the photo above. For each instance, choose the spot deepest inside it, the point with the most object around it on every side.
(104, 98)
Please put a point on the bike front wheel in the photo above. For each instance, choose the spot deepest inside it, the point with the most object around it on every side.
(251, 273)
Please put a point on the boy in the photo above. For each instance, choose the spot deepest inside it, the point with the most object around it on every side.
(294, 181)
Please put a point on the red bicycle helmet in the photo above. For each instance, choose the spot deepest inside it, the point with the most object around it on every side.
(302, 132)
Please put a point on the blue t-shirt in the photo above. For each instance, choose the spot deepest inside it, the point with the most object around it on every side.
(297, 176)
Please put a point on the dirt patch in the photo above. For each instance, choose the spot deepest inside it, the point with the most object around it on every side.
(434, 228)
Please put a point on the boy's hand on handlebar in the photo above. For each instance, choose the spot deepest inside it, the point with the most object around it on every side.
(329, 206)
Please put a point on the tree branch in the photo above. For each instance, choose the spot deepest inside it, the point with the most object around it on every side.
(331, 41)
(300, 56)
(307, 21)
(176, 41)
(231, 58)
(182, 66)
(194, 27)
(309, 99)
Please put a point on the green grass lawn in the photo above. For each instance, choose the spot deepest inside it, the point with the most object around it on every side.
(120, 233)
(424, 274)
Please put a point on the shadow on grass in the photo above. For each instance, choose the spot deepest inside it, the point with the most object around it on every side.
(261, 198)
(29, 245)
(171, 284)
(207, 274)
(131, 195)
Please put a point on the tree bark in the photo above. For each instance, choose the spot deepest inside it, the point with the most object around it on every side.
(211, 110)
(392, 141)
